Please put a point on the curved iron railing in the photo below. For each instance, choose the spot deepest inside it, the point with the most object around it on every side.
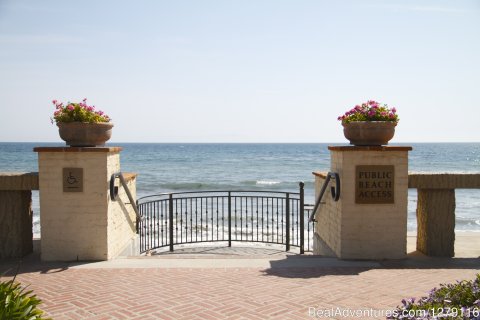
(211, 216)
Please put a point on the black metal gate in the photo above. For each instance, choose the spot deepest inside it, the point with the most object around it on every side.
(211, 216)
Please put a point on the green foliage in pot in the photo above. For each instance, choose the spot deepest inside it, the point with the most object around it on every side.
(17, 303)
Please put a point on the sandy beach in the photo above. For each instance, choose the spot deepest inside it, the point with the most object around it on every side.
(467, 244)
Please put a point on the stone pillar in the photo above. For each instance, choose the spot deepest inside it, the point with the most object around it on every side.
(16, 213)
(369, 221)
(436, 222)
(78, 220)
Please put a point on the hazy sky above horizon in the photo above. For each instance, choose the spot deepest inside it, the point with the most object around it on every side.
(241, 70)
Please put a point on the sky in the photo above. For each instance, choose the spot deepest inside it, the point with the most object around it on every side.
(241, 70)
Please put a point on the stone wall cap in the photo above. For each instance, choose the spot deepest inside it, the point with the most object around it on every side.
(434, 180)
(370, 148)
(320, 174)
(437, 180)
(129, 175)
(77, 149)
(14, 181)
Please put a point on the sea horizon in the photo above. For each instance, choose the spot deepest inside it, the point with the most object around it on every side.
(243, 142)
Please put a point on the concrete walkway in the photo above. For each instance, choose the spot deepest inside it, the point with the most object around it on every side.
(238, 283)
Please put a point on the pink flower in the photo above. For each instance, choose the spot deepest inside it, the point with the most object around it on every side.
(394, 110)
(371, 113)
(70, 107)
(54, 102)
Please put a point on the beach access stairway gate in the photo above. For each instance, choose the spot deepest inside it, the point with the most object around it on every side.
(274, 217)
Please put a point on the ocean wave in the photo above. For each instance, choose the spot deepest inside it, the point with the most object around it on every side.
(266, 182)
(262, 182)
(185, 186)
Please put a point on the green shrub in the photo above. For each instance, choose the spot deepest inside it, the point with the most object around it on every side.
(460, 300)
(17, 303)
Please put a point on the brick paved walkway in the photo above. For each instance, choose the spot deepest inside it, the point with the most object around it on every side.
(277, 292)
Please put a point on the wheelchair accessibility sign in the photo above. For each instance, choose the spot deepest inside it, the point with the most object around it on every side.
(72, 179)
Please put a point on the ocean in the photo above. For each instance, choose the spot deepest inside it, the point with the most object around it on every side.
(176, 167)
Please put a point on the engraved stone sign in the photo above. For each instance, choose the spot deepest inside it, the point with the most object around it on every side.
(72, 179)
(374, 184)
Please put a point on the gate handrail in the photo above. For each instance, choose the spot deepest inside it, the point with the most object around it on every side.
(218, 191)
(335, 191)
(114, 192)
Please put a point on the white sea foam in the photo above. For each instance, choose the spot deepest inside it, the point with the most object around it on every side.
(267, 182)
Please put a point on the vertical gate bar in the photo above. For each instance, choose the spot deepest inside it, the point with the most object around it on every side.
(148, 227)
(241, 219)
(268, 220)
(160, 222)
(278, 233)
(191, 219)
(137, 221)
(308, 232)
(294, 222)
(251, 212)
(206, 218)
(287, 236)
(217, 220)
(170, 218)
(262, 229)
(235, 217)
(211, 220)
(302, 217)
(223, 217)
(196, 219)
(176, 220)
(151, 228)
(229, 219)
(165, 209)
(181, 220)
(201, 219)
(157, 220)
(257, 218)
(160, 209)
(139, 226)
(313, 233)
(156, 224)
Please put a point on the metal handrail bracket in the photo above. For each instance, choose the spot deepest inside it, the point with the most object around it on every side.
(114, 192)
(334, 190)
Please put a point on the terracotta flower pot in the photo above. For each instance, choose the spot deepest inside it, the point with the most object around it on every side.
(83, 134)
(369, 133)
